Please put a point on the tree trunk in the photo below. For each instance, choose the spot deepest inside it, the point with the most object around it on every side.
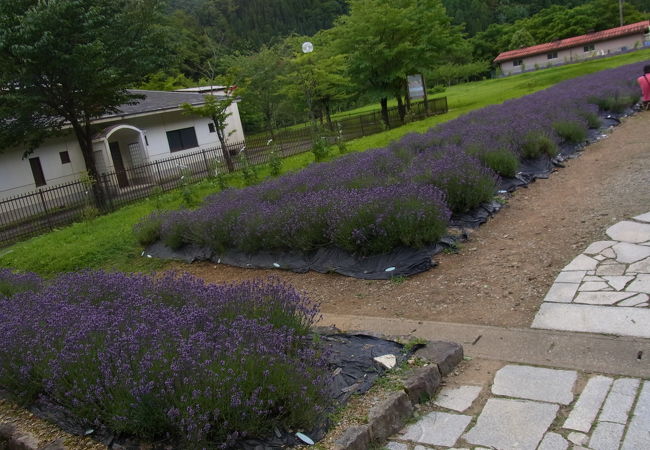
(384, 111)
(400, 107)
(328, 114)
(220, 128)
(84, 137)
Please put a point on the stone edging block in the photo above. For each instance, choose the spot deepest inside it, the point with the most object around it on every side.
(16, 440)
(390, 416)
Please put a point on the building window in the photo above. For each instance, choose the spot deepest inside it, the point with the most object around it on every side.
(182, 139)
(37, 171)
(552, 55)
(518, 62)
(211, 127)
(589, 48)
(65, 157)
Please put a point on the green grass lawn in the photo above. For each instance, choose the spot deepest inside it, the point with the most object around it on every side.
(107, 242)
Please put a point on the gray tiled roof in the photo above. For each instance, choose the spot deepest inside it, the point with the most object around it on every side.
(158, 101)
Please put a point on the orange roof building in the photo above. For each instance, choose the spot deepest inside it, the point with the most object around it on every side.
(614, 40)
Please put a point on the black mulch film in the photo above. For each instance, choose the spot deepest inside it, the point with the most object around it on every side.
(353, 371)
(401, 262)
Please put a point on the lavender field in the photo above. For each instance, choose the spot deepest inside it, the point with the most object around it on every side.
(170, 358)
(403, 195)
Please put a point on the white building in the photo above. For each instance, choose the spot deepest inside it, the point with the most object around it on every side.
(154, 128)
(563, 51)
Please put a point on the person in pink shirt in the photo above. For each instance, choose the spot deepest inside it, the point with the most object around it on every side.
(644, 82)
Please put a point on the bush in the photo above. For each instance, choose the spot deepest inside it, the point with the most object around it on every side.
(169, 357)
(12, 283)
(536, 145)
(572, 132)
(502, 161)
(592, 119)
(320, 148)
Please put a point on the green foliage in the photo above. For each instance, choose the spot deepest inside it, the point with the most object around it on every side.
(593, 121)
(615, 103)
(502, 161)
(248, 170)
(572, 132)
(521, 38)
(320, 148)
(66, 62)
(421, 36)
(450, 74)
(275, 162)
(538, 144)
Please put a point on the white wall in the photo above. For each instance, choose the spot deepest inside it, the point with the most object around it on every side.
(572, 54)
(16, 174)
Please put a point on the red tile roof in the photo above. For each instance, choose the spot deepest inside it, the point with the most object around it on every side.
(640, 27)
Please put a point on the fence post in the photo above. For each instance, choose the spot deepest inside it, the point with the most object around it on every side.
(205, 160)
(107, 193)
(363, 132)
(159, 175)
(47, 213)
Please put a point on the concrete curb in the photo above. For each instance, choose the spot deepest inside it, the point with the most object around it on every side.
(390, 416)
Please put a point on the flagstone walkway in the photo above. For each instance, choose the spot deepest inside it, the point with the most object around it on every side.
(528, 407)
(603, 290)
(559, 401)
(606, 288)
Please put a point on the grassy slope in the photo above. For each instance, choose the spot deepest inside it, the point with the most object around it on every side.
(107, 242)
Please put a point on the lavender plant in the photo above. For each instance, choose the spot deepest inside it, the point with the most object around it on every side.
(169, 357)
(368, 202)
(12, 283)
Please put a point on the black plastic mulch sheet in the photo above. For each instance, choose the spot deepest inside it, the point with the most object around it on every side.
(352, 370)
(401, 262)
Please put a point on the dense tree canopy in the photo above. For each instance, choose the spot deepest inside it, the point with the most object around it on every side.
(387, 40)
(67, 62)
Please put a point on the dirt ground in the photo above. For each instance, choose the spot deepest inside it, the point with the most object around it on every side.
(501, 275)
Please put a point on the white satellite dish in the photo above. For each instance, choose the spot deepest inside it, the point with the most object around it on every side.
(307, 47)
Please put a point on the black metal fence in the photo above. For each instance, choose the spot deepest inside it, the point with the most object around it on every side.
(40, 211)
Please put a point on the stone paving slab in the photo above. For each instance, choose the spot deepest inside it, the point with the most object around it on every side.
(628, 231)
(638, 432)
(553, 441)
(586, 409)
(512, 424)
(621, 321)
(437, 428)
(620, 400)
(457, 398)
(606, 436)
(535, 383)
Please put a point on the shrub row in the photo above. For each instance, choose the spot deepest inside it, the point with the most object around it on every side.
(401, 195)
(169, 358)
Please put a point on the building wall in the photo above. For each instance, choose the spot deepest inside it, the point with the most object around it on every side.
(16, 175)
(573, 54)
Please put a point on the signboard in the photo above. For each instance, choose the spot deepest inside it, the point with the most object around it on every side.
(416, 87)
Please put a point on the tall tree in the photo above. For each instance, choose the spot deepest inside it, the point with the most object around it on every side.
(386, 40)
(68, 62)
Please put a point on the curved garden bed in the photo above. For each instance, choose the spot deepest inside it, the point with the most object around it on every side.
(399, 197)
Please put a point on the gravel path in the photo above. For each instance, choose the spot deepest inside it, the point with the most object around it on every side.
(501, 275)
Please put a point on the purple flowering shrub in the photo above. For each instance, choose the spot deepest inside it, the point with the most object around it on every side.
(372, 201)
(169, 357)
(12, 283)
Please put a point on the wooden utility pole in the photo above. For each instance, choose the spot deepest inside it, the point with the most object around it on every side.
(620, 10)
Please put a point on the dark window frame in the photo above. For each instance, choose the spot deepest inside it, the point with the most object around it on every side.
(182, 139)
(518, 62)
(212, 128)
(589, 48)
(65, 157)
(551, 55)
